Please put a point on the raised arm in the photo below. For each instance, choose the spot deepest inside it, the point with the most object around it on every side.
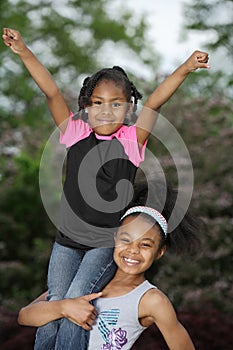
(157, 307)
(42, 77)
(77, 310)
(164, 91)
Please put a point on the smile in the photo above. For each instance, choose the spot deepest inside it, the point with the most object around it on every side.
(105, 121)
(130, 261)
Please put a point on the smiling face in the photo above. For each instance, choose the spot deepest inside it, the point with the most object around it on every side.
(108, 108)
(137, 245)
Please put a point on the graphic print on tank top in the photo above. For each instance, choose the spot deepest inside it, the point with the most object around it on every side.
(115, 338)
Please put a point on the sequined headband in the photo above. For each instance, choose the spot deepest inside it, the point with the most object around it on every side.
(151, 212)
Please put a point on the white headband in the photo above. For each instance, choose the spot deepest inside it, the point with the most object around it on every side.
(151, 212)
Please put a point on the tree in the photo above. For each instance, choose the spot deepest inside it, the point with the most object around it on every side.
(204, 120)
(213, 177)
(214, 17)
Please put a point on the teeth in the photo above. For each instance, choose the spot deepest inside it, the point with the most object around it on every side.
(131, 260)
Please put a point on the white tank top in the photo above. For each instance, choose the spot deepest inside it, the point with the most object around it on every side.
(117, 325)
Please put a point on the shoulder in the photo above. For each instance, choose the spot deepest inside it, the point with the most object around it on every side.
(75, 131)
(154, 297)
(153, 304)
(124, 130)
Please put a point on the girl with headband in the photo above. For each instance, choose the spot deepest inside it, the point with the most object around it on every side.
(129, 303)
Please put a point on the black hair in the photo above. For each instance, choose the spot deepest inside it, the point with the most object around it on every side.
(184, 239)
(119, 77)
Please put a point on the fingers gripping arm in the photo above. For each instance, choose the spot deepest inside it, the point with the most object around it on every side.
(78, 310)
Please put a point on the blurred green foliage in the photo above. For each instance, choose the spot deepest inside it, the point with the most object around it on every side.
(206, 125)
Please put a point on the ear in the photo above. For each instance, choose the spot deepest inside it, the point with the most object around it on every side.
(161, 252)
(130, 107)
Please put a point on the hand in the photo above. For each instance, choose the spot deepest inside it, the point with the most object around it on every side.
(13, 39)
(198, 59)
(80, 311)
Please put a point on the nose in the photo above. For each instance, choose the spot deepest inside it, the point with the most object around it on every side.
(133, 248)
(106, 108)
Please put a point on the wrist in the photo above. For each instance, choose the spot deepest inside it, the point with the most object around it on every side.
(186, 69)
(62, 307)
(25, 53)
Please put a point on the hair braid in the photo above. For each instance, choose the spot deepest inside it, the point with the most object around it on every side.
(119, 69)
(137, 96)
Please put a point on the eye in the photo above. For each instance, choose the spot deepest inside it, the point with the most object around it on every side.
(116, 105)
(96, 103)
(147, 245)
(124, 240)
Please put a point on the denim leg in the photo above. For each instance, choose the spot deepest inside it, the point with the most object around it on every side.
(63, 265)
(96, 270)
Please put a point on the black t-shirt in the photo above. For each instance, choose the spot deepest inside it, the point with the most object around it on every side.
(97, 188)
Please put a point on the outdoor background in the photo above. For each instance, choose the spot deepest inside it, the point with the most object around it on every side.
(74, 39)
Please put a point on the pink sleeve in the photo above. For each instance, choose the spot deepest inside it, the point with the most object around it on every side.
(128, 139)
(76, 130)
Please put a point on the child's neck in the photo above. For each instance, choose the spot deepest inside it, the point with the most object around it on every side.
(122, 284)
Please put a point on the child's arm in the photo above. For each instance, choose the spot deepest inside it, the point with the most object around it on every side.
(164, 91)
(77, 310)
(157, 307)
(57, 105)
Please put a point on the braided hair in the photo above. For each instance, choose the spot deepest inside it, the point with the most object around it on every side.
(119, 77)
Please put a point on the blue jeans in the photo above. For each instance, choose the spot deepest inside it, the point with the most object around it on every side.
(73, 272)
